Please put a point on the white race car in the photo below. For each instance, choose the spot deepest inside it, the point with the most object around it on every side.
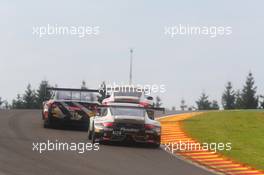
(124, 122)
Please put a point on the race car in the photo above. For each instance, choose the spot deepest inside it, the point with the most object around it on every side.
(69, 107)
(124, 122)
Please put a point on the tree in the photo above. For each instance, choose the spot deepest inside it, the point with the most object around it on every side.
(191, 108)
(30, 98)
(203, 103)
(238, 100)
(173, 108)
(6, 104)
(183, 105)
(229, 97)
(1, 102)
(262, 102)
(249, 98)
(18, 102)
(42, 93)
(158, 102)
(214, 105)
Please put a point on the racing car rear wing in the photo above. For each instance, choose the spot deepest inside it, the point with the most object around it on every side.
(130, 106)
(73, 89)
(70, 90)
(150, 110)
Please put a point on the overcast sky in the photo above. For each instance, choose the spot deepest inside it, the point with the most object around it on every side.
(186, 65)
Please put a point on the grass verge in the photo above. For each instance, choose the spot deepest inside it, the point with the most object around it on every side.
(244, 129)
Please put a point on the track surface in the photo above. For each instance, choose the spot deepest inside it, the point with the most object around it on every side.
(20, 128)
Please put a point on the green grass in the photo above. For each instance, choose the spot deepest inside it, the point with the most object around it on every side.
(244, 129)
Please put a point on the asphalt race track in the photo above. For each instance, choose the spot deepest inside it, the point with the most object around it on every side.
(20, 128)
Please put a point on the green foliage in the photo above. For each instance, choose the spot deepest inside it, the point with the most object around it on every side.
(262, 102)
(30, 98)
(238, 100)
(214, 105)
(244, 129)
(1, 101)
(203, 103)
(229, 97)
(248, 96)
(42, 93)
(245, 99)
(18, 102)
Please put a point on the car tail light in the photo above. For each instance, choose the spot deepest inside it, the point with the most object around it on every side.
(149, 126)
(108, 124)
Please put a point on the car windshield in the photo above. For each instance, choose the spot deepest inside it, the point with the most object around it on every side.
(128, 111)
(75, 95)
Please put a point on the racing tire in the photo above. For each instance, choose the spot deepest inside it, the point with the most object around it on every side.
(48, 123)
(42, 114)
(156, 145)
(93, 137)
(89, 134)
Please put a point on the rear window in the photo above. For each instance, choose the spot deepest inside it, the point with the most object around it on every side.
(128, 111)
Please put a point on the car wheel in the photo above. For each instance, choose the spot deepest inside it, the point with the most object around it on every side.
(48, 122)
(89, 134)
(93, 137)
(156, 145)
(42, 113)
(90, 131)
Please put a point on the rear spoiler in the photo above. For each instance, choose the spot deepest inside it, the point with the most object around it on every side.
(137, 107)
(126, 88)
(72, 89)
(69, 89)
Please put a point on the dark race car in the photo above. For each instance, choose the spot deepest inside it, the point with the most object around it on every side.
(70, 107)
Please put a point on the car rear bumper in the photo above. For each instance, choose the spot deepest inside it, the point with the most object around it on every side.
(69, 121)
(120, 136)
